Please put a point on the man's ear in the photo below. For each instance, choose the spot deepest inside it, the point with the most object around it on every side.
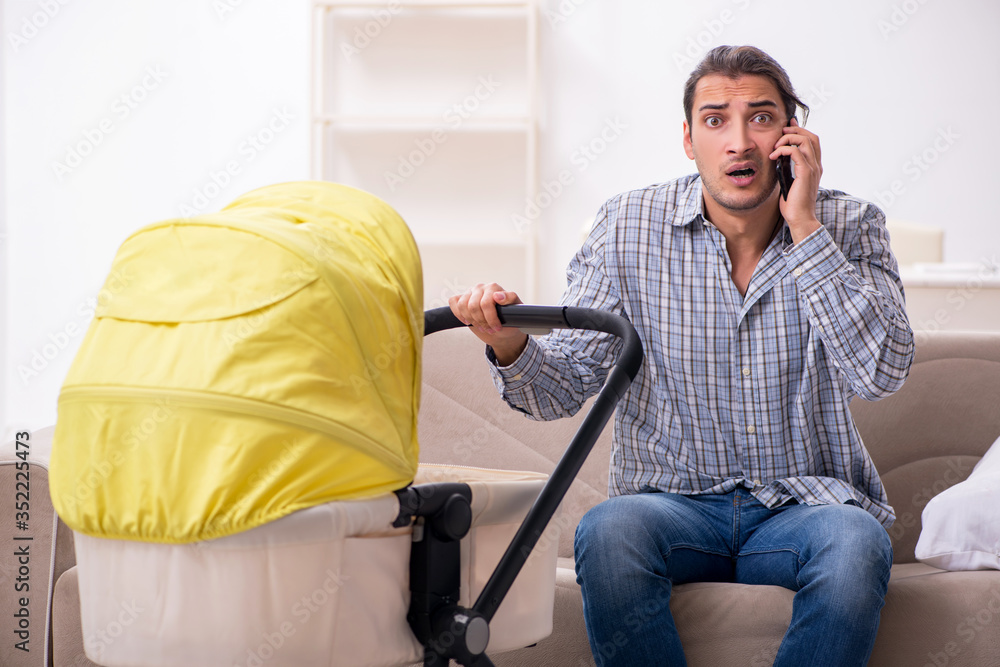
(688, 147)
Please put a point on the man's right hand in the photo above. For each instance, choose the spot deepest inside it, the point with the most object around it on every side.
(478, 308)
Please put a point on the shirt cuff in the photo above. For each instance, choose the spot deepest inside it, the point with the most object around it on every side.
(815, 259)
(523, 370)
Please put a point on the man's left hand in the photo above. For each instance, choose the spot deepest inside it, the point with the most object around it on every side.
(799, 210)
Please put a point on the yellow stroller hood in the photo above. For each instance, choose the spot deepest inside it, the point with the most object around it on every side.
(244, 365)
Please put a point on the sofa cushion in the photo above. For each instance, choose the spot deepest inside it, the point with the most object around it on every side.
(961, 525)
(945, 407)
(911, 486)
(928, 435)
(931, 617)
(463, 421)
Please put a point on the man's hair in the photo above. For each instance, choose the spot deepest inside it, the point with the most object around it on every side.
(737, 61)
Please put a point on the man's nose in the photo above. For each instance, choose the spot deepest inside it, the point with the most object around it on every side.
(740, 141)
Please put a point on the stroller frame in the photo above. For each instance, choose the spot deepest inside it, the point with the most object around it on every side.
(441, 512)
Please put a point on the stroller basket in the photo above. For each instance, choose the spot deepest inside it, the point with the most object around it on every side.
(330, 584)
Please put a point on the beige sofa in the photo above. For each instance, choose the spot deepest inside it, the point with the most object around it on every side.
(49, 553)
(923, 439)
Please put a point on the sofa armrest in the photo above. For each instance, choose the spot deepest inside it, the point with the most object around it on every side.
(36, 549)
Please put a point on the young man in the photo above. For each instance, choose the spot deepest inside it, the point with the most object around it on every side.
(735, 456)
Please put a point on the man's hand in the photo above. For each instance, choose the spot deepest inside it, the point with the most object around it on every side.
(478, 308)
(799, 210)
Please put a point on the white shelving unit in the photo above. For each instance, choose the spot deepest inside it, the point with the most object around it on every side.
(432, 106)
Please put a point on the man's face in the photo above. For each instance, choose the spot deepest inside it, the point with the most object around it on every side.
(734, 126)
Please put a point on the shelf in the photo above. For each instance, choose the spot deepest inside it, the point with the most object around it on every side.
(417, 4)
(410, 68)
(438, 187)
(428, 124)
(431, 106)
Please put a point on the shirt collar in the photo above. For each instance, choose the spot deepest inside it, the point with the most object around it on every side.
(690, 204)
(691, 208)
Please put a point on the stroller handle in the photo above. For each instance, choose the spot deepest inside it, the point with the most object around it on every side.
(542, 319)
(617, 383)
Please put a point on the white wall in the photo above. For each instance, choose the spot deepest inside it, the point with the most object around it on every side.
(159, 95)
(887, 80)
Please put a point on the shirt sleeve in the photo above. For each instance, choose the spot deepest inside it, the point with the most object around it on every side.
(854, 299)
(558, 372)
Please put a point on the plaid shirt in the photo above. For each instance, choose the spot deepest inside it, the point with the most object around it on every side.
(734, 391)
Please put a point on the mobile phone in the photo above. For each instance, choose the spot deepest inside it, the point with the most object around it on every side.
(785, 174)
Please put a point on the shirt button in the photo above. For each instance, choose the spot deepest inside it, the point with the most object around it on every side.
(798, 271)
(517, 377)
(757, 482)
(751, 429)
(746, 372)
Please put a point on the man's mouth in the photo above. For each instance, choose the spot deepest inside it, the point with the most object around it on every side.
(742, 175)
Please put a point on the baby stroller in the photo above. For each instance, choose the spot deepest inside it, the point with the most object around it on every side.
(207, 535)
(446, 629)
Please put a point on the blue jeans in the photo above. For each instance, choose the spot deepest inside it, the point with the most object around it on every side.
(631, 550)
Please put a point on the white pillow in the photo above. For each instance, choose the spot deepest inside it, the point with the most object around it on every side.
(961, 525)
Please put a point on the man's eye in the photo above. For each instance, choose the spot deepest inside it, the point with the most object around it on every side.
(762, 118)
(713, 121)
